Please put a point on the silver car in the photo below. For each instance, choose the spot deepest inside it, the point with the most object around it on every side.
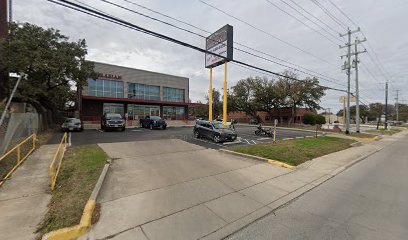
(72, 124)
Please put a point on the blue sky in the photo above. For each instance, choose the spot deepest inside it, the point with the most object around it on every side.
(382, 22)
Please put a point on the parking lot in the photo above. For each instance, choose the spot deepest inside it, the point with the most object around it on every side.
(246, 135)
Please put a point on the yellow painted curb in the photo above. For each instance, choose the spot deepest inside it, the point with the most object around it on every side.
(281, 164)
(274, 162)
(376, 138)
(75, 231)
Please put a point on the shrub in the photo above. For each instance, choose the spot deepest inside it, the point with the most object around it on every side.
(320, 119)
(309, 118)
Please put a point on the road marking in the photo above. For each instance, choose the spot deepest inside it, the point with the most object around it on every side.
(253, 141)
(246, 140)
(309, 136)
(260, 139)
(69, 139)
(229, 143)
(287, 139)
(299, 137)
(205, 141)
(99, 130)
(137, 130)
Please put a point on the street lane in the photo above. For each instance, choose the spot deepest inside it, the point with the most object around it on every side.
(367, 201)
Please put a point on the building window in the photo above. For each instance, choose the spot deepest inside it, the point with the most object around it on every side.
(143, 91)
(105, 88)
(173, 94)
(114, 108)
(173, 113)
(136, 112)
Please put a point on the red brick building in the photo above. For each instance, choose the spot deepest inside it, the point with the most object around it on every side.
(285, 116)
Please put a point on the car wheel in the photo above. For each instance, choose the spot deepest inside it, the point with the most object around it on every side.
(151, 126)
(216, 138)
(196, 134)
(102, 127)
(164, 127)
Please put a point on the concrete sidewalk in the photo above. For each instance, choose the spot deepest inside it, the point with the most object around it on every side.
(170, 189)
(24, 197)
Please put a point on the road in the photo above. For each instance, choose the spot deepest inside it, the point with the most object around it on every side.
(245, 136)
(367, 201)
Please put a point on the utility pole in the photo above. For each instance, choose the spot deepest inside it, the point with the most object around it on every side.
(386, 106)
(347, 67)
(3, 35)
(397, 105)
(355, 65)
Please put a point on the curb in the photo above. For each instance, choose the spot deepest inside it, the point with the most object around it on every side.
(85, 224)
(287, 128)
(270, 161)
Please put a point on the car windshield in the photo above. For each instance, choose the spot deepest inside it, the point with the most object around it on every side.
(219, 125)
(113, 116)
(155, 118)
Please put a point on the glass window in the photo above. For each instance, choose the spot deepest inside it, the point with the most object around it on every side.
(137, 112)
(114, 108)
(173, 94)
(173, 113)
(105, 88)
(143, 91)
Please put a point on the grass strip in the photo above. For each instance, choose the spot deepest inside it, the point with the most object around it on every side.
(79, 173)
(297, 151)
(382, 131)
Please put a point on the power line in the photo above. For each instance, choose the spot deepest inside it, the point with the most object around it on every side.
(310, 14)
(237, 43)
(327, 12)
(267, 33)
(303, 15)
(297, 19)
(335, 81)
(132, 26)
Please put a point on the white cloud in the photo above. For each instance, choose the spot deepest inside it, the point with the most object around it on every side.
(383, 22)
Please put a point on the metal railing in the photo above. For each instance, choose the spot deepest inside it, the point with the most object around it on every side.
(20, 159)
(57, 160)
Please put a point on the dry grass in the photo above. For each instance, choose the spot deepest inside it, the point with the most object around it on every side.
(80, 171)
(295, 152)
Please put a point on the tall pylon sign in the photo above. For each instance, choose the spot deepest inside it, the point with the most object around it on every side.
(221, 44)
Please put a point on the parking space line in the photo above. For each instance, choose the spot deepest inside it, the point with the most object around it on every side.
(99, 130)
(136, 130)
(260, 139)
(229, 143)
(253, 141)
(205, 141)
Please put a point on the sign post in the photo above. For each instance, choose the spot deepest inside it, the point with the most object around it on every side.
(210, 98)
(274, 129)
(219, 43)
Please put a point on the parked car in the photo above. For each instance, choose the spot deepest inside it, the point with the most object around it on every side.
(72, 124)
(153, 122)
(214, 130)
(253, 121)
(112, 121)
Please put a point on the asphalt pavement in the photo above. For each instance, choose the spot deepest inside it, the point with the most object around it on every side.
(246, 136)
(368, 201)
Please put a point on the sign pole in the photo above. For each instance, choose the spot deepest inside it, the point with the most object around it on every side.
(225, 95)
(210, 99)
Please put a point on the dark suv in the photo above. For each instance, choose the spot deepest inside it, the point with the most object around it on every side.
(215, 131)
(112, 121)
(153, 122)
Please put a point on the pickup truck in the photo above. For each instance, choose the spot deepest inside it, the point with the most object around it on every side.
(153, 122)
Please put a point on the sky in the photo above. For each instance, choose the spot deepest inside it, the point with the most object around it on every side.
(290, 30)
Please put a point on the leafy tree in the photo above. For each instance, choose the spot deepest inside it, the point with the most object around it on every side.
(304, 93)
(216, 102)
(244, 93)
(51, 64)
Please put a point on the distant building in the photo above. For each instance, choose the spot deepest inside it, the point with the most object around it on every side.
(134, 93)
(284, 116)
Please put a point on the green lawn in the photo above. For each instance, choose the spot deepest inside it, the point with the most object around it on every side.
(80, 171)
(295, 152)
(382, 131)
